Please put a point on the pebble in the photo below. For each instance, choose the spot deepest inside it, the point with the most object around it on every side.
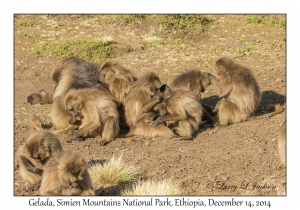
(262, 149)
(279, 80)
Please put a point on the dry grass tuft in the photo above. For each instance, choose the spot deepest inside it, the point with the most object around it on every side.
(113, 172)
(150, 187)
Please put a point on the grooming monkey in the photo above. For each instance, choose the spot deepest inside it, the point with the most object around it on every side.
(239, 92)
(139, 103)
(195, 81)
(282, 143)
(66, 173)
(97, 111)
(181, 111)
(116, 78)
(34, 154)
(192, 80)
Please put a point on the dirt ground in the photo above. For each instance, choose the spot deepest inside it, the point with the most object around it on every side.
(240, 159)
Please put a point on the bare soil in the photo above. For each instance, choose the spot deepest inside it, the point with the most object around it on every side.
(239, 159)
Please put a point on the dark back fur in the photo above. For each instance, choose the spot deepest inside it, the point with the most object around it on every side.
(192, 80)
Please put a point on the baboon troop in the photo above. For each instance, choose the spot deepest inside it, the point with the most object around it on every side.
(93, 99)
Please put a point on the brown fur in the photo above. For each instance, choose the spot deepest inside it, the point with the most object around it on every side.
(72, 77)
(181, 111)
(35, 153)
(66, 174)
(42, 97)
(139, 105)
(117, 79)
(67, 63)
(192, 80)
(282, 143)
(97, 111)
(238, 89)
(195, 81)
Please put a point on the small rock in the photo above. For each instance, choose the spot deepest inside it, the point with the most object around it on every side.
(262, 149)
(279, 80)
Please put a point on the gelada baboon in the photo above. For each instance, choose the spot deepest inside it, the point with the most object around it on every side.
(41, 97)
(181, 111)
(34, 154)
(66, 64)
(196, 81)
(236, 86)
(139, 105)
(66, 173)
(116, 78)
(192, 80)
(97, 111)
(282, 143)
(75, 77)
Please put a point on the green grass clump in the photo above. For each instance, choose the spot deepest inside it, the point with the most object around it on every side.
(113, 172)
(269, 20)
(183, 21)
(84, 48)
(163, 187)
(25, 23)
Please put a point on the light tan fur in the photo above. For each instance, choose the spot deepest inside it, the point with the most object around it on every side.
(181, 111)
(73, 76)
(97, 111)
(139, 105)
(195, 81)
(117, 79)
(282, 143)
(34, 154)
(239, 92)
(192, 80)
(66, 174)
(65, 64)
